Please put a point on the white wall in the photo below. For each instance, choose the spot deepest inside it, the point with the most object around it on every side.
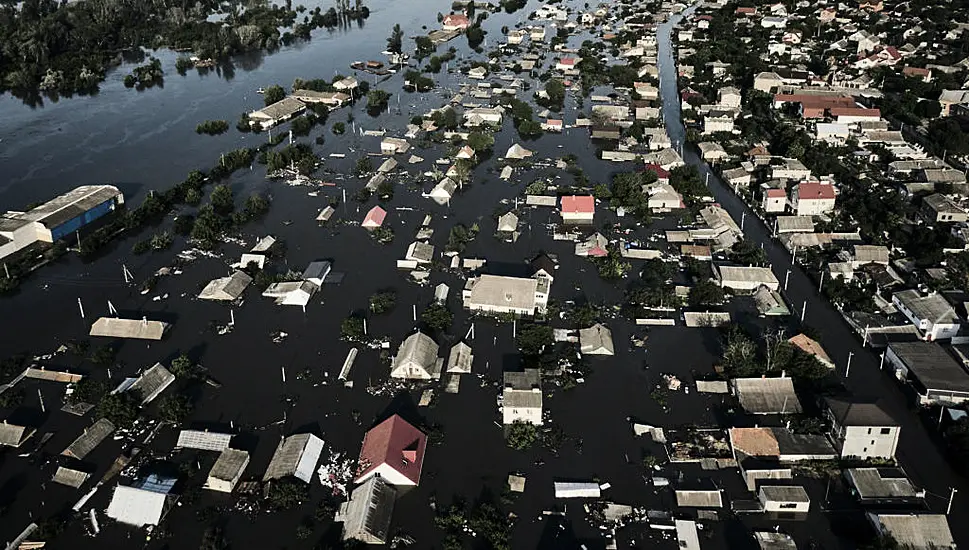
(869, 441)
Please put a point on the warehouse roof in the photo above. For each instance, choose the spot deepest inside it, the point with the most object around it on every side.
(931, 365)
(71, 204)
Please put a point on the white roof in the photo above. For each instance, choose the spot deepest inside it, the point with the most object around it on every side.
(206, 441)
(137, 507)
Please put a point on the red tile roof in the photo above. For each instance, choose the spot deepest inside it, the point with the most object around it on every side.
(775, 193)
(375, 217)
(855, 111)
(578, 204)
(808, 191)
(567, 61)
(456, 20)
(659, 171)
(397, 444)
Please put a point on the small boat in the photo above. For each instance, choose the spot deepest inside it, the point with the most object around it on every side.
(260, 90)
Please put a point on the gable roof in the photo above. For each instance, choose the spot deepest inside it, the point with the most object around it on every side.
(396, 443)
(578, 204)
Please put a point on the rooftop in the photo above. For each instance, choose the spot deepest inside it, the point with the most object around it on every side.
(71, 204)
(881, 483)
(932, 365)
(785, 493)
(917, 531)
(228, 464)
(932, 307)
(767, 395)
(396, 443)
(850, 413)
(500, 291)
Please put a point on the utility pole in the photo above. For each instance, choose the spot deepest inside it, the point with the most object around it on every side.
(821, 282)
(952, 495)
(743, 218)
(848, 368)
(881, 366)
(803, 310)
(81, 307)
(786, 277)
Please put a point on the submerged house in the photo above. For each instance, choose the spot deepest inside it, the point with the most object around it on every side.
(374, 218)
(277, 113)
(89, 440)
(226, 289)
(596, 340)
(498, 294)
(460, 359)
(417, 359)
(394, 451)
(521, 398)
(12, 435)
(227, 470)
(136, 329)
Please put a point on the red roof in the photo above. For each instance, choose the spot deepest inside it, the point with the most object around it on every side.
(397, 444)
(704, 18)
(598, 252)
(375, 217)
(748, 11)
(578, 204)
(855, 111)
(775, 193)
(567, 61)
(808, 191)
(456, 20)
(659, 171)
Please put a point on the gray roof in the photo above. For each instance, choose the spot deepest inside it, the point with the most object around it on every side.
(942, 204)
(498, 291)
(288, 459)
(143, 329)
(204, 440)
(784, 493)
(866, 254)
(368, 513)
(71, 204)
(229, 464)
(527, 379)
(699, 499)
(881, 483)
(283, 108)
(522, 399)
(91, 438)
(767, 395)
(460, 358)
(226, 288)
(730, 273)
(770, 302)
(795, 224)
(418, 349)
(70, 477)
(152, 382)
(317, 270)
(916, 531)
(931, 365)
(932, 307)
(851, 413)
(789, 443)
(13, 435)
(596, 340)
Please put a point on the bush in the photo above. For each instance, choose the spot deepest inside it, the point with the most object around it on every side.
(339, 128)
(175, 409)
(212, 127)
(533, 338)
(352, 328)
(521, 435)
(287, 493)
(382, 302)
(273, 94)
(120, 408)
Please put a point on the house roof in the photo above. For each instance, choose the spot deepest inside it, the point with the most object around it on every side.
(931, 365)
(932, 307)
(295, 456)
(699, 499)
(13, 435)
(375, 217)
(776, 194)
(70, 477)
(229, 463)
(596, 339)
(526, 380)
(144, 504)
(456, 19)
(113, 327)
(859, 413)
(812, 191)
(785, 493)
(767, 395)
(203, 440)
(578, 204)
(283, 108)
(396, 443)
(769, 540)
(917, 531)
(755, 441)
(418, 348)
(152, 382)
(460, 358)
(881, 483)
(811, 347)
(500, 291)
(226, 288)
(89, 439)
(867, 253)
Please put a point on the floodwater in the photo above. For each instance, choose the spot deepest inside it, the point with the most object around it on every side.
(146, 140)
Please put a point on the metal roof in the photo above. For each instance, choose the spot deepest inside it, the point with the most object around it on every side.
(699, 499)
(204, 440)
(152, 382)
(419, 350)
(931, 365)
(226, 288)
(368, 513)
(784, 493)
(71, 204)
(70, 477)
(136, 506)
(143, 329)
(460, 358)
(13, 435)
(932, 307)
(596, 340)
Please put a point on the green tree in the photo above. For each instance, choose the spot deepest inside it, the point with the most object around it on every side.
(382, 302)
(705, 293)
(174, 409)
(395, 42)
(184, 367)
(287, 493)
(352, 328)
(256, 205)
(221, 199)
(747, 253)
(339, 128)
(364, 165)
(120, 408)
(480, 141)
(425, 47)
(521, 435)
(377, 100)
(532, 338)
(475, 36)
(273, 94)
(437, 316)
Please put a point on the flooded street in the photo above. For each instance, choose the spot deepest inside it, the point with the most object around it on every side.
(146, 140)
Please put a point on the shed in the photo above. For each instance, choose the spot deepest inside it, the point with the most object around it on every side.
(70, 477)
(295, 456)
(12, 435)
(91, 438)
(784, 499)
(145, 503)
(203, 440)
(227, 470)
(460, 358)
(596, 340)
(226, 289)
(143, 329)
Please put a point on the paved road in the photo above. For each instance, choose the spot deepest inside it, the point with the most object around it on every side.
(917, 452)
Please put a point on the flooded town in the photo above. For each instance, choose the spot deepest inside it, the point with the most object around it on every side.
(500, 275)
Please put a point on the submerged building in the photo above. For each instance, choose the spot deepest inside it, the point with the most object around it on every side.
(57, 218)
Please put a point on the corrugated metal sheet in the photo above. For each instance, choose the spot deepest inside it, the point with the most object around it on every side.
(573, 489)
(206, 441)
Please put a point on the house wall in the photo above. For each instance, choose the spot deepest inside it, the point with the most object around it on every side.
(711, 126)
(577, 217)
(775, 204)
(787, 507)
(813, 207)
(388, 474)
(410, 371)
(867, 441)
(489, 308)
(524, 414)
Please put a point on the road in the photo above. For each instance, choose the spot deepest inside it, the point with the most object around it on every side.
(917, 452)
